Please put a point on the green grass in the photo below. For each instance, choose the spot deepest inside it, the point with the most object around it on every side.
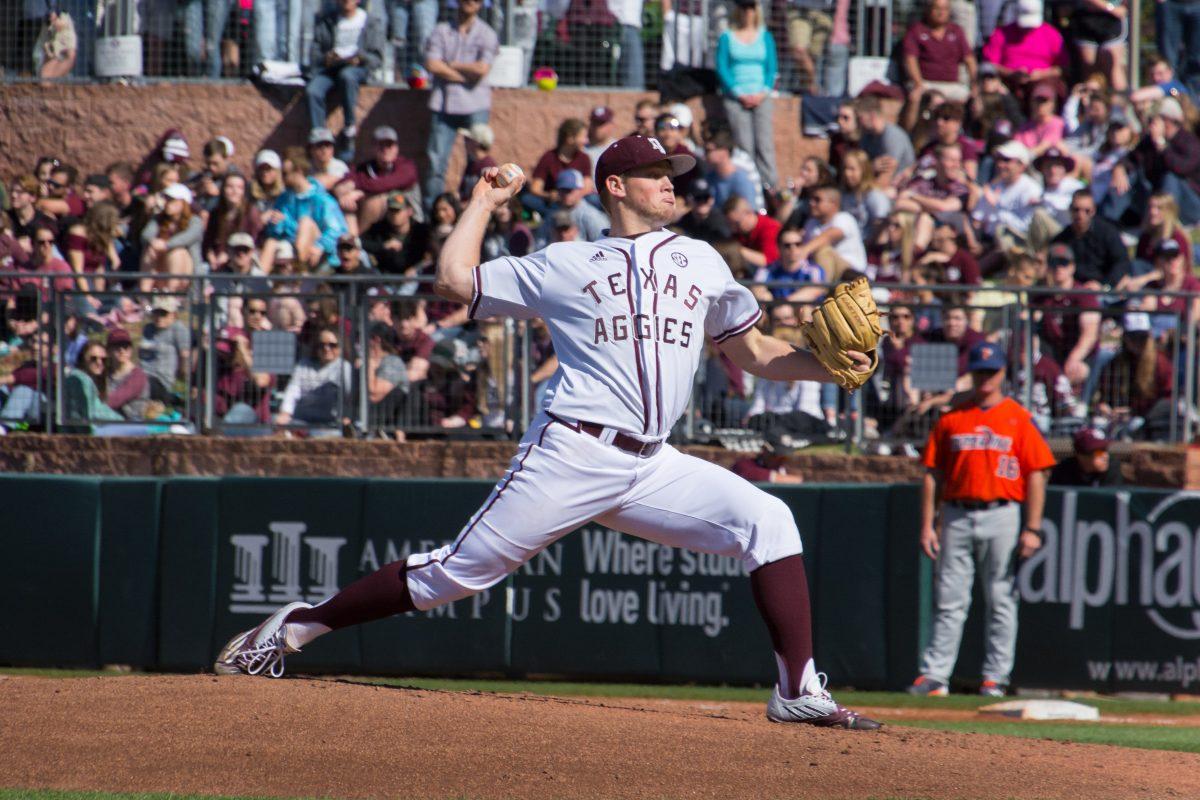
(43, 672)
(1146, 737)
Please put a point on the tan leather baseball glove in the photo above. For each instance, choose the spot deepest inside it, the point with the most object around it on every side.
(847, 320)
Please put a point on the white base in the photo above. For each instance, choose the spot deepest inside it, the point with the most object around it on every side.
(1041, 709)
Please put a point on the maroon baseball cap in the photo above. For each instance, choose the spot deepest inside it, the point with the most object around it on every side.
(118, 336)
(601, 115)
(632, 152)
(1090, 440)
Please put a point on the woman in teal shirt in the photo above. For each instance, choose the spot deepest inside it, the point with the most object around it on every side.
(746, 68)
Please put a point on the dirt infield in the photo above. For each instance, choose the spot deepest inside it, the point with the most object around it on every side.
(306, 738)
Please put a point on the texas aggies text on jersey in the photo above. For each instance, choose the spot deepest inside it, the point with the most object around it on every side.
(985, 454)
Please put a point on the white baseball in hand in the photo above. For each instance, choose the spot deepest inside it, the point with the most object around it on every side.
(508, 173)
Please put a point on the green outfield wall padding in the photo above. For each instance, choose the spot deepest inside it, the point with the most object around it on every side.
(187, 572)
(50, 570)
(129, 528)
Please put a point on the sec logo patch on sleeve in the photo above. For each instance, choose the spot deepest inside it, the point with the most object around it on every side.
(680, 259)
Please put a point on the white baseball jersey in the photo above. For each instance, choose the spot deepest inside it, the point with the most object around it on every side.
(628, 319)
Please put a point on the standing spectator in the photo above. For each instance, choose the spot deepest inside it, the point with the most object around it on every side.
(1100, 257)
(412, 22)
(809, 25)
(601, 132)
(478, 140)
(1089, 465)
(127, 389)
(327, 168)
(747, 69)
(1004, 207)
(887, 144)
(724, 178)
(347, 46)
(1169, 154)
(632, 65)
(1070, 323)
(981, 481)
(756, 234)
(800, 280)
(397, 243)
(1100, 29)
(56, 47)
(376, 179)
(935, 51)
(567, 153)
(305, 215)
(234, 213)
(318, 386)
(1028, 50)
(684, 34)
(860, 198)
(831, 236)
(459, 56)
(171, 240)
(165, 351)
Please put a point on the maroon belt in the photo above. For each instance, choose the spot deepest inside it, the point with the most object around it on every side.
(621, 441)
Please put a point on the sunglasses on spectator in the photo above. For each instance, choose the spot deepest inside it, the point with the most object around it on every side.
(243, 249)
(258, 312)
(327, 345)
(790, 244)
(53, 184)
(1003, 159)
(345, 248)
(45, 241)
(97, 359)
(670, 124)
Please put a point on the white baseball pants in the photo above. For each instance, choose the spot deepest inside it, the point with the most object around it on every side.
(561, 479)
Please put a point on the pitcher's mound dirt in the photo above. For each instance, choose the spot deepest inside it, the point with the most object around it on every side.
(309, 738)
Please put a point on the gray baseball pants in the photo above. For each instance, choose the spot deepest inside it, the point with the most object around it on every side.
(981, 541)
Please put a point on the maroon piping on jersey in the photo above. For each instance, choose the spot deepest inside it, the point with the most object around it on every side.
(492, 502)
(477, 280)
(637, 350)
(657, 362)
(736, 329)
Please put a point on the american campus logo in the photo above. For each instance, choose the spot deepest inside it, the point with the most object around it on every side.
(1152, 562)
(253, 594)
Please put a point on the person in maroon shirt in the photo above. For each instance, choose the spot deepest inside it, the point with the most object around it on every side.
(948, 129)
(1070, 323)
(413, 344)
(61, 201)
(957, 332)
(1137, 382)
(934, 48)
(757, 234)
(1171, 263)
(769, 465)
(947, 262)
(896, 360)
(1161, 222)
(364, 195)
(566, 154)
(938, 197)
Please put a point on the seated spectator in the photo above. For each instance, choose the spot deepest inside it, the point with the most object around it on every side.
(645, 112)
(413, 344)
(44, 259)
(1100, 31)
(569, 189)
(268, 179)
(171, 240)
(1114, 174)
(1070, 323)
(1101, 259)
(860, 198)
(1044, 128)
(1089, 464)
(1004, 207)
(478, 141)
(347, 46)
(790, 408)
(703, 221)
(1058, 188)
(831, 236)
(769, 466)
(794, 210)
(1028, 50)
(325, 166)
(1161, 223)
(233, 213)
(1174, 275)
(956, 331)
(315, 389)
(672, 133)
(948, 129)
(725, 179)
(365, 201)
(165, 351)
(206, 184)
(847, 135)
(242, 397)
(387, 378)
(567, 153)
(86, 386)
(937, 196)
(127, 388)
(602, 128)
(897, 392)
(304, 215)
(936, 51)
(893, 255)
(397, 243)
(507, 234)
(947, 262)
(887, 144)
(755, 233)
(244, 274)
(1133, 392)
(995, 110)
(60, 200)
(92, 244)
(1169, 157)
(96, 189)
(800, 280)
(445, 212)
(1163, 83)
(1087, 114)
(351, 258)
(23, 211)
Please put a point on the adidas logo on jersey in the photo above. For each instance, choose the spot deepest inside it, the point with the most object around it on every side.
(598, 257)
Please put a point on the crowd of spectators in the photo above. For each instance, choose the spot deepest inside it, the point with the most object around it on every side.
(1012, 182)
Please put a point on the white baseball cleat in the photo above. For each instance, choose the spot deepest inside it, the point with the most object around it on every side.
(259, 651)
(817, 708)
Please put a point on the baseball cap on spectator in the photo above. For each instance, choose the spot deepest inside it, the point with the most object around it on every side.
(1014, 150)
(118, 336)
(988, 70)
(227, 143)
(632, 152)
(397, 202)
(349, 240)
(175, 149)
(384, 332)
(268, 157)
(561, 219)
(1054, 154)
(98, 180)
(700, 191)
(682, 113)
(226, 337)
(386, 133)
(285, 251)
(667, 120)
(1044, 89)
(481, 134)
(986, 356)
(569, 180)
(1136, 322)
(1169, 108)
(1090, 440)
(177, 191)
(240, 239)
(321, 136)
(1060, 255)
(601, 115)
(165, 303)
(1167, 248)
(1030, 13)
